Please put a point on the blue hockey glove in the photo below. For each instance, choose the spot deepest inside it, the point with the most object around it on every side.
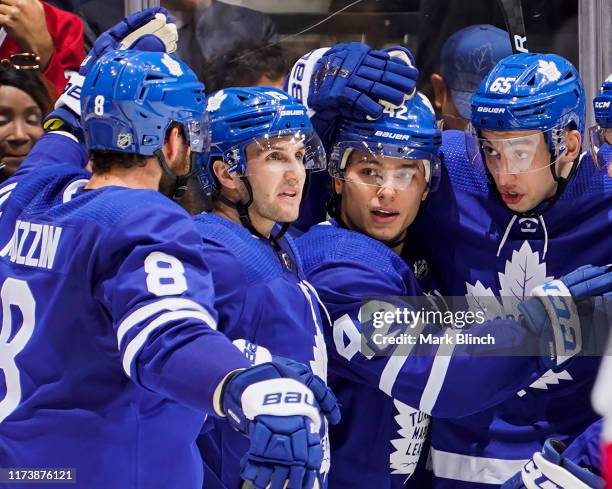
(148, 30)
(353, 80)
(328, 404)
(549, 468)
(553, 312)
(281, 418)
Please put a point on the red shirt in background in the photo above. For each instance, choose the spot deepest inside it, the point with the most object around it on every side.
(66, 31)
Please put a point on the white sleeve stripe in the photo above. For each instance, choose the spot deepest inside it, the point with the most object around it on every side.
(392, 369)
(437, 376)
(66, 134)
(145, 312)
(139, 340)
(8, 188)
(4, 197)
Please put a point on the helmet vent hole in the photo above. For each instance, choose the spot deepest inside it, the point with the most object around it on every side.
(288, 125)
(143, 91)
(153, 77)
(531, 81)
(569, 76)
(143, 115)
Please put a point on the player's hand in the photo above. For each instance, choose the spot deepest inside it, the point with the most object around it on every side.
(328, 404)
(550, 468)
(148, 30)
(352, 80)
(554, 311)
(281, 419)
(24, 21)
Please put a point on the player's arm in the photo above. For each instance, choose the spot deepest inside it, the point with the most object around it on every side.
(154, 284)
(63, 141)
(427, 376)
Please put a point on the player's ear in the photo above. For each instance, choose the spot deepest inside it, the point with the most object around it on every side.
(174, 145)
(573, 145)
(338, 185)
(439, 88)
(225, 178)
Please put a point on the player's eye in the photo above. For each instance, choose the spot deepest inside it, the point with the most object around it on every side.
(490, 151)
(274, 156)
(299, 156)
(369, 172)
(521, 155)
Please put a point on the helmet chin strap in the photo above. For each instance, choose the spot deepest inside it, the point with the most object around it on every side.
(242, 209)
(181, 181)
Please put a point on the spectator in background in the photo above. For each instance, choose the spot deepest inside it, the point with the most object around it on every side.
(24, 101)
(209, 28)
(248, 65)
(467, 56)
(54, 35)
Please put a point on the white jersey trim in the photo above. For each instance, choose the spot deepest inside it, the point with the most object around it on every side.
(139, 340)
(145, 312)
(467, 468)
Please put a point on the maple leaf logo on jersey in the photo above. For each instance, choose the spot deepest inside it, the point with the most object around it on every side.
(522, 273)
(413, 426)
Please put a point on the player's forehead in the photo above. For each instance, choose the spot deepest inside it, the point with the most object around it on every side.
(532, 137)
(364, 157)
(289, 142)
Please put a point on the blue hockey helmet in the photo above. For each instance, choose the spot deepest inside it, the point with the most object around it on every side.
(600, 135)
(408, 132)
(255, 117)
(528, 91)
(130, 98)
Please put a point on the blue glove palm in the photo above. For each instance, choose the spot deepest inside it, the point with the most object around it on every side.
(554, 313)
(281, 419)
(355, 81)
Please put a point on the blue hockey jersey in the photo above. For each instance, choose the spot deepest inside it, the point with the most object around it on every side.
(262, 297)
(109, 353)
(386, 400)
(494, 252)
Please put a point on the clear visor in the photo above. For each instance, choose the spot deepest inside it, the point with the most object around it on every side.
(198, 134)
(284, 151)
(600, 139)
(524, 153)
(384, 165)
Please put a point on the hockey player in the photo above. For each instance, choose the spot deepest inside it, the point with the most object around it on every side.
(263, 149)
(382, 171)
(536, 211)
(601, 133)
(111, 358)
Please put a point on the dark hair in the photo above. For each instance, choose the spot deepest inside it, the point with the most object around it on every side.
(30, 82)
(244, 65)
(103, 160)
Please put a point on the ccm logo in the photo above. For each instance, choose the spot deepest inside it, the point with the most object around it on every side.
(491, 110)
(287, 398)
(602, 105)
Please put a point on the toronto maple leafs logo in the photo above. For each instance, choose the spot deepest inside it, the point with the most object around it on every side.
(522, 273)
(549, 70)
(214, 102)
(174, 67)
(413, 426)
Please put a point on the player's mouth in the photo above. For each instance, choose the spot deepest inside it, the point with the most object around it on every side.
(383, 215)
(11, 160)
(288, 194)
(511, 198)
